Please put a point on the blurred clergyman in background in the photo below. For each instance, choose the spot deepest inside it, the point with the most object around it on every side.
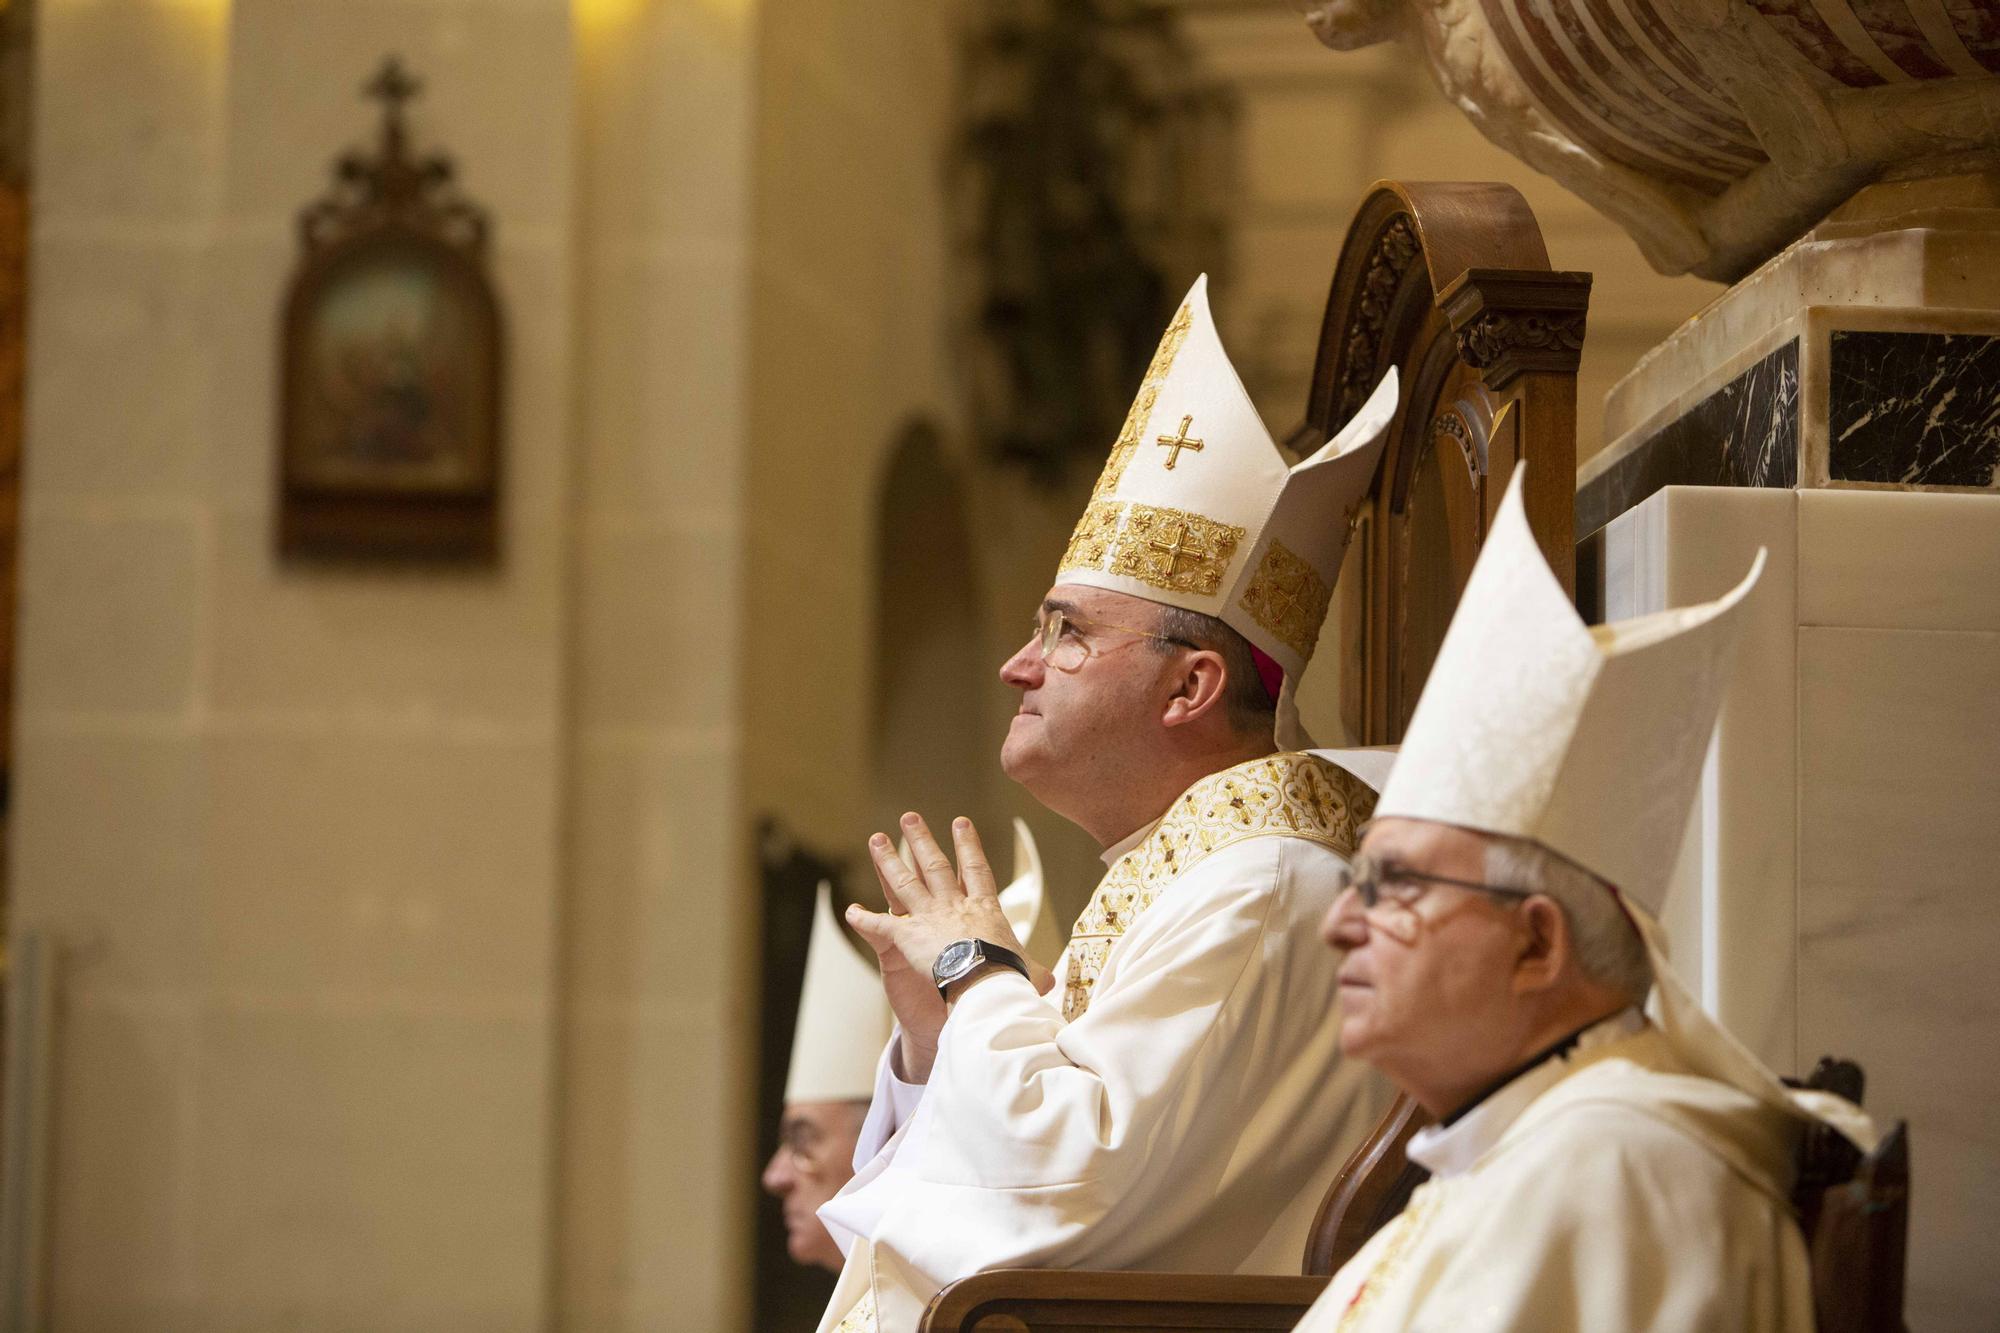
(843, 1024)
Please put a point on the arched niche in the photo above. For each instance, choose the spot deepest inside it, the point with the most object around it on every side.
(930, 740)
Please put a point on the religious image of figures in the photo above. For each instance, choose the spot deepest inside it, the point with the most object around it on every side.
(390, 430)
(390, 398)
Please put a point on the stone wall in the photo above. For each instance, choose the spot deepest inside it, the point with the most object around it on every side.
(298, 831)
(654, 1178)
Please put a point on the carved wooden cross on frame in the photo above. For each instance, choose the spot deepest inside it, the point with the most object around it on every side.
(1177, 442)
(393, 86)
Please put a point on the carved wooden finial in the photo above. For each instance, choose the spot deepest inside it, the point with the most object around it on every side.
(393, 86)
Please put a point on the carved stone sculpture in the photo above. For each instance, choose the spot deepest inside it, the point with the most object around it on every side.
(1714, 131)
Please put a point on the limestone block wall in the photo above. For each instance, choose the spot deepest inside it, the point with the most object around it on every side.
(654, 1181)
(299, 831)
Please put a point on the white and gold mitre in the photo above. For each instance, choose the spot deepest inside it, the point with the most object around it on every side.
(1024, 900)
(1586, 739)
(1197, 508)
(844, 1019)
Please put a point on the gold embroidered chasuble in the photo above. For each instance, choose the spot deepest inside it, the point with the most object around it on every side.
(861, 1319)
(1280, 795)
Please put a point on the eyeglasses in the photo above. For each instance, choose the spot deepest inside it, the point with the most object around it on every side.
(804, 1146)
(1061, 637)
(1389, 892)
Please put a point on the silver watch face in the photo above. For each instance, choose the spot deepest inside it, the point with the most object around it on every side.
(956, 958)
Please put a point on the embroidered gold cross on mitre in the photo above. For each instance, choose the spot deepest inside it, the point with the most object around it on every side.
(1175, 545)
(1176, 442)
(1285, 598)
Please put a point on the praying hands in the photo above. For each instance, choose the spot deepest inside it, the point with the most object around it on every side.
(931, 907)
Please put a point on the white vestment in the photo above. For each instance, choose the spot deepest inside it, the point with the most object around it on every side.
(1606, 1189)
(1189, 1112)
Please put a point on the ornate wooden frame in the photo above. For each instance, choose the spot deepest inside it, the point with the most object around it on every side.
(394, 214)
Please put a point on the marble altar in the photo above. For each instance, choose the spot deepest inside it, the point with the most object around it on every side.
(1834, 894)
(1865, 355)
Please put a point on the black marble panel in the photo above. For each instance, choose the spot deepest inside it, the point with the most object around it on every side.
(1918, 408)
(1744, 434)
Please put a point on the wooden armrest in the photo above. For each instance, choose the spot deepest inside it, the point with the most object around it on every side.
(1010, 1300)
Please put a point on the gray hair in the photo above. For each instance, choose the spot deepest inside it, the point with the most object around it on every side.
(1608, 948)
(1252, 710)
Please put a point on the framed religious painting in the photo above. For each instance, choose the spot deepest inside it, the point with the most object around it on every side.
(392, 368)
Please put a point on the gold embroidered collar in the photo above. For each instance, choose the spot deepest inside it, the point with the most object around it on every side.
(1279, 795)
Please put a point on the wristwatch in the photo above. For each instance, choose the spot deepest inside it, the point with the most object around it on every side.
(961, 958)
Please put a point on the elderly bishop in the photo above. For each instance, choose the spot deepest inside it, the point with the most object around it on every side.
(1174, 1096)
(1595, 1163)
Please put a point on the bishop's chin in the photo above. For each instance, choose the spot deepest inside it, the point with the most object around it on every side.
(1017, 751)
(1356, 1036)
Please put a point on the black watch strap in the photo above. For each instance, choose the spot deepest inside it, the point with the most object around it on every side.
(962, 958)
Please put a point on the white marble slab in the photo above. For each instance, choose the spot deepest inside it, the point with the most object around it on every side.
(1899, 828)
(1899, 559)
(1834, 895)
(1731, 909)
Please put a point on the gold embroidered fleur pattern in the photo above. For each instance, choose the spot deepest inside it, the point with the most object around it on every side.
(1091, 541)
(1396, 1246)
(1170, 549)
(1289, 598)
(1127, 443)
(1280, 795)
(861, 1319)
(1142, 405)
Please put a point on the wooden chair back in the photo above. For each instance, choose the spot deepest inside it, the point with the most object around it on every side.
(1370, 1189)
(1449, 282)
(1855, 1212)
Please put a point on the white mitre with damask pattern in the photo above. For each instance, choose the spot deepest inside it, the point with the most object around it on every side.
(1197, 508)
(1586, 739)
(844, 1019)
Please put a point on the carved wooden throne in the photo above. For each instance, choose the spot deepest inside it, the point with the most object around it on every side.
(1450, 283)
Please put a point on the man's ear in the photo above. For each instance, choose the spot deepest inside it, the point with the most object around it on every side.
(1197, 690)
(1546, 945)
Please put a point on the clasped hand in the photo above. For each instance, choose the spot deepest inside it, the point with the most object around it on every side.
(929, 908)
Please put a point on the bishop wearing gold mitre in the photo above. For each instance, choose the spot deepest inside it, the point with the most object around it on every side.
(1597, 1161)
(1174, 1096)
